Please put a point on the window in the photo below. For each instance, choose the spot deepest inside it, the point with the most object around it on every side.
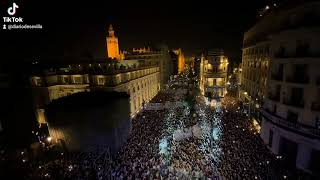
(302, 49)
(214, 69)
(314, 161)
(38, 82)
(77, 80)
(296, 96)
(292, 117)
(65, 79)
(270, 138)
(101, 81)
(281, 52)
(317, 123)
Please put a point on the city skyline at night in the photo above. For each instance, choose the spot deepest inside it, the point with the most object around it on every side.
(193, 27)
(112, 90)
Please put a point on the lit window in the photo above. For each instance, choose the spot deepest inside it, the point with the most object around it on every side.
(77, 80)
(101, 81)
(65, 79)
(38, 82)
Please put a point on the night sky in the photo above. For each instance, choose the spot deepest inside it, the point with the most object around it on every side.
(79, 29)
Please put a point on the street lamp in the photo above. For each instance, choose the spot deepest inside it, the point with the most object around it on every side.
(245, 93)
(49, 139)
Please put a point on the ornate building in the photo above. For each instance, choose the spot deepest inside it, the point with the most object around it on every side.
(281, 67)
(141, 74)
(112, 45)
(142, 50)
(213, 74)
(159, 53)
(140, 81)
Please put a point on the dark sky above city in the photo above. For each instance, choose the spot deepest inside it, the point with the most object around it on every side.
(79, 28)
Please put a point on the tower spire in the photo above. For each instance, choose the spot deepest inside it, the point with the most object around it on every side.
(111, 31)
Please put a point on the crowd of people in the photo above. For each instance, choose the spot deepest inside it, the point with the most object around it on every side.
(223, 145)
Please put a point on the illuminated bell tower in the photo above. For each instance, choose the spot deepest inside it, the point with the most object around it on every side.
(112, 45)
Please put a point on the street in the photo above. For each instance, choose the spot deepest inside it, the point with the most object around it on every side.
(195, 140)
(178, 135)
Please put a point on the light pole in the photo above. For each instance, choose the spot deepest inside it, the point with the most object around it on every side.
(245, 93)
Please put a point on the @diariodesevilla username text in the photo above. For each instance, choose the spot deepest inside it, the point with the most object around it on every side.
(24, 26)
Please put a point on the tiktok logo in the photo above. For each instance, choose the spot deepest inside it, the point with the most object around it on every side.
(12, 10)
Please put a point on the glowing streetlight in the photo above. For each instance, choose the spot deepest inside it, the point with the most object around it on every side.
(49, 139)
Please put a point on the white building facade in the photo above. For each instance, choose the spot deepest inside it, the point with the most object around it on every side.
(291, 110)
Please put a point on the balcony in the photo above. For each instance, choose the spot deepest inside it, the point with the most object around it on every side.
(274, 97)
(215, 74)
(292, 126)
(298, 79)
(279, 120)
(315, 106)
(282, 53)
(295, 103)
(213, 87)
(277, 76)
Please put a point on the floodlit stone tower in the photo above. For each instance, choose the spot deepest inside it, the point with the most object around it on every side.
(112, 45)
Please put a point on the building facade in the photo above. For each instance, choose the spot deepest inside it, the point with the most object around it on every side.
(159, 54)
(213, 74)
(281, 68)
(140, 81)
(255, 66)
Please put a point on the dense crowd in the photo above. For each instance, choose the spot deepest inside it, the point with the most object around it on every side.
(163, 97)
(245, 156)
(213, 143)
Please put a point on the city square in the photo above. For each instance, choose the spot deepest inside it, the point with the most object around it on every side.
(160, 90)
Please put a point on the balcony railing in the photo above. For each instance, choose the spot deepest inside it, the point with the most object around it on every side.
(315, 106)
(286, 54)
(215, 74)
(295, 103)
(298, 79)
(305, 129)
